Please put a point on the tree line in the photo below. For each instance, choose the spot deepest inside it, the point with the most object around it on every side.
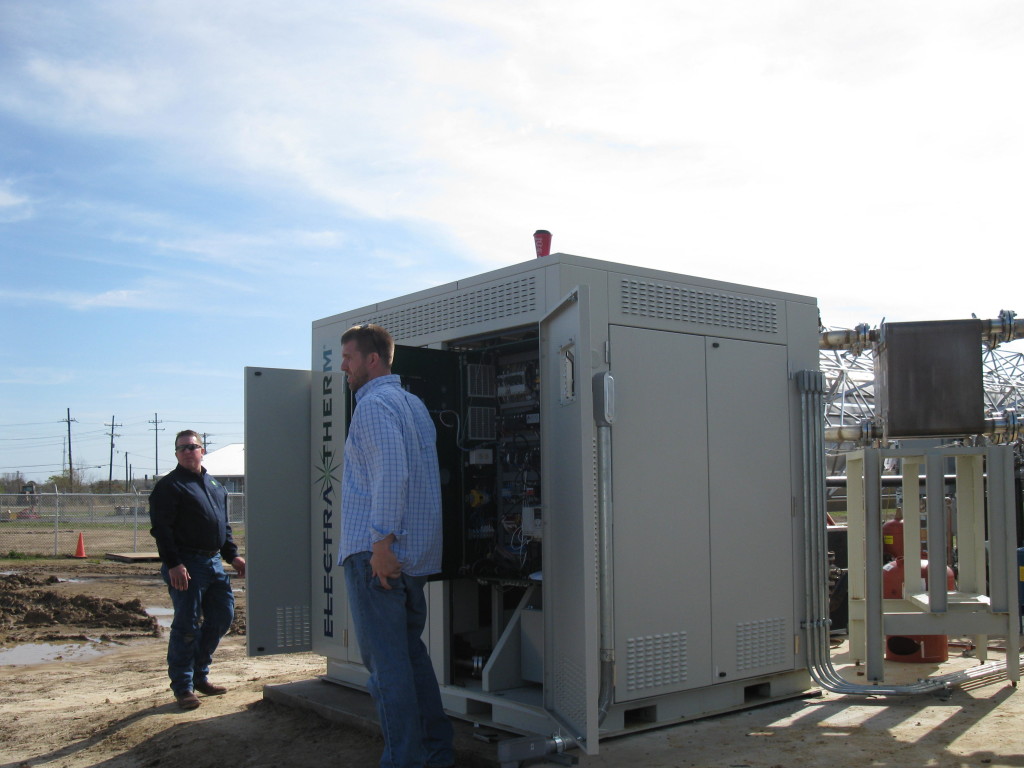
(68, 481)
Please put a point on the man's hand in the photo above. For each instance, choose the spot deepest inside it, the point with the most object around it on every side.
(179, 576)
(239, 565)
(383, 562)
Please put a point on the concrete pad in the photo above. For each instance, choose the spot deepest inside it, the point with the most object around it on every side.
(132, 557)
(973, 724)
(475, 746)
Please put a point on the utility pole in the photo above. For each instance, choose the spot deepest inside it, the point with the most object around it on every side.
(206, 442)
(126, 478)
(110, 480)
(156, 442)
(71, 464)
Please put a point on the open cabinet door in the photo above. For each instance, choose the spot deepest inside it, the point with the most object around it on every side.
(569, 498)
(277, 517)
(433, 376)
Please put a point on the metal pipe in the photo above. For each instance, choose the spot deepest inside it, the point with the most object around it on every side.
(858, 338)
(605, 570)
(1001, 330)
(1004, 428)
(511, 752)
(888, 481)
(604, 415)
(873, 615)
(864, 432)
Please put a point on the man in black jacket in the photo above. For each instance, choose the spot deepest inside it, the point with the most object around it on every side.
(188, 509)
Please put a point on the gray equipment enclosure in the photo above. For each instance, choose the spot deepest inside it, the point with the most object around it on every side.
(622, 476)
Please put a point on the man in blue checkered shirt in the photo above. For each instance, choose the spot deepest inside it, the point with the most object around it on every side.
(390, 543)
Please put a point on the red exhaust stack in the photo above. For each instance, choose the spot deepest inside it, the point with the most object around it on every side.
(542, 241)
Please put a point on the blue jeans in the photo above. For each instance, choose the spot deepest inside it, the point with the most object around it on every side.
(202, 614)
(389, 625)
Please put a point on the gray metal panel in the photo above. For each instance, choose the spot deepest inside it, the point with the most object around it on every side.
(327, 432)
(430, 317)
(662, 535)
(648, 273)
(930, 377)
(752, 558)
(500, 299)
(277, 499)
(570, 512)
(692, 307)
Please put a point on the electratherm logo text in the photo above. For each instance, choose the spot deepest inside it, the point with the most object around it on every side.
(328, 488)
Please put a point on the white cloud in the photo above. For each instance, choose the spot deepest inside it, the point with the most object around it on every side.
(798, 145)
(80, 300)
(120, 298)
(110, 95)
(13, 205)
(36, 376)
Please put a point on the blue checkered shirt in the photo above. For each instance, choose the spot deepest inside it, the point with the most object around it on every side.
(391, 482)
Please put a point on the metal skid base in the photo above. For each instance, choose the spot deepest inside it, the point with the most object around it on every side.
(507, 730)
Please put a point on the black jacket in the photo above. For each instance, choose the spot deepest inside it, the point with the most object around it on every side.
(190, 511)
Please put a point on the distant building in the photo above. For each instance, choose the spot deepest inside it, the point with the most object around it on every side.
(227, 464)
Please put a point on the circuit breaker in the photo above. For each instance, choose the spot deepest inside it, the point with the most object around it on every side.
(605, 568)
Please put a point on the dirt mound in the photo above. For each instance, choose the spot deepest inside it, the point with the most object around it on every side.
(31, 611)
(95, 599)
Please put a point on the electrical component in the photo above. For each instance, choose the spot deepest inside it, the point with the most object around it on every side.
(477, 498)
(480, 423)
(480, 380)
(481, 456)
(532, 522)
(512, 384)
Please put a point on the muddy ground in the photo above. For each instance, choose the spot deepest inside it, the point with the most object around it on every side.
(113, 709)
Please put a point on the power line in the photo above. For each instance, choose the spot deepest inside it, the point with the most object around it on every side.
(43, 437)
(27, 424)
(33, 466)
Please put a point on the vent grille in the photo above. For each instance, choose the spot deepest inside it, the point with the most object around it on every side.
(597, 513)
(655, 660)
(570, 690)
(665, 301)
(481, 423)
(480, 381)
(462, 309)
(760, 644)
(293, 626)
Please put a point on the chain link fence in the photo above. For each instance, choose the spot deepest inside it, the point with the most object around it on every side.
(50, 523)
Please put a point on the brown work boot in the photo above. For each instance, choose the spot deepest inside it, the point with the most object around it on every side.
(187, 700)
(205, 686)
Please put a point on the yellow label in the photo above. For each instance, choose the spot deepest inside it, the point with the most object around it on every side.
(1022, 573)
(887, 539)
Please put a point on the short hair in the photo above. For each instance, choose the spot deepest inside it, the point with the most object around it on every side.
(188, 433)
(368, 338)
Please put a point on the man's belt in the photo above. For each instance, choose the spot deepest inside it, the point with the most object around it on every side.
(203, 552)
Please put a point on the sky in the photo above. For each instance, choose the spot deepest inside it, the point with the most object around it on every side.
(186, 186)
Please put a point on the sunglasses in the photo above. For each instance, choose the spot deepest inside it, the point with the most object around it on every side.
(190, 447)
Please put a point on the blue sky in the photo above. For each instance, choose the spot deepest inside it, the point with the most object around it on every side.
(185, 186)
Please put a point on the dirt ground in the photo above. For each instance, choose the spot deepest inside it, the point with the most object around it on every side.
(113, 708)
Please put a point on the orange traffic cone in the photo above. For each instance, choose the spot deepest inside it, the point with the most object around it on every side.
(80, 549)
